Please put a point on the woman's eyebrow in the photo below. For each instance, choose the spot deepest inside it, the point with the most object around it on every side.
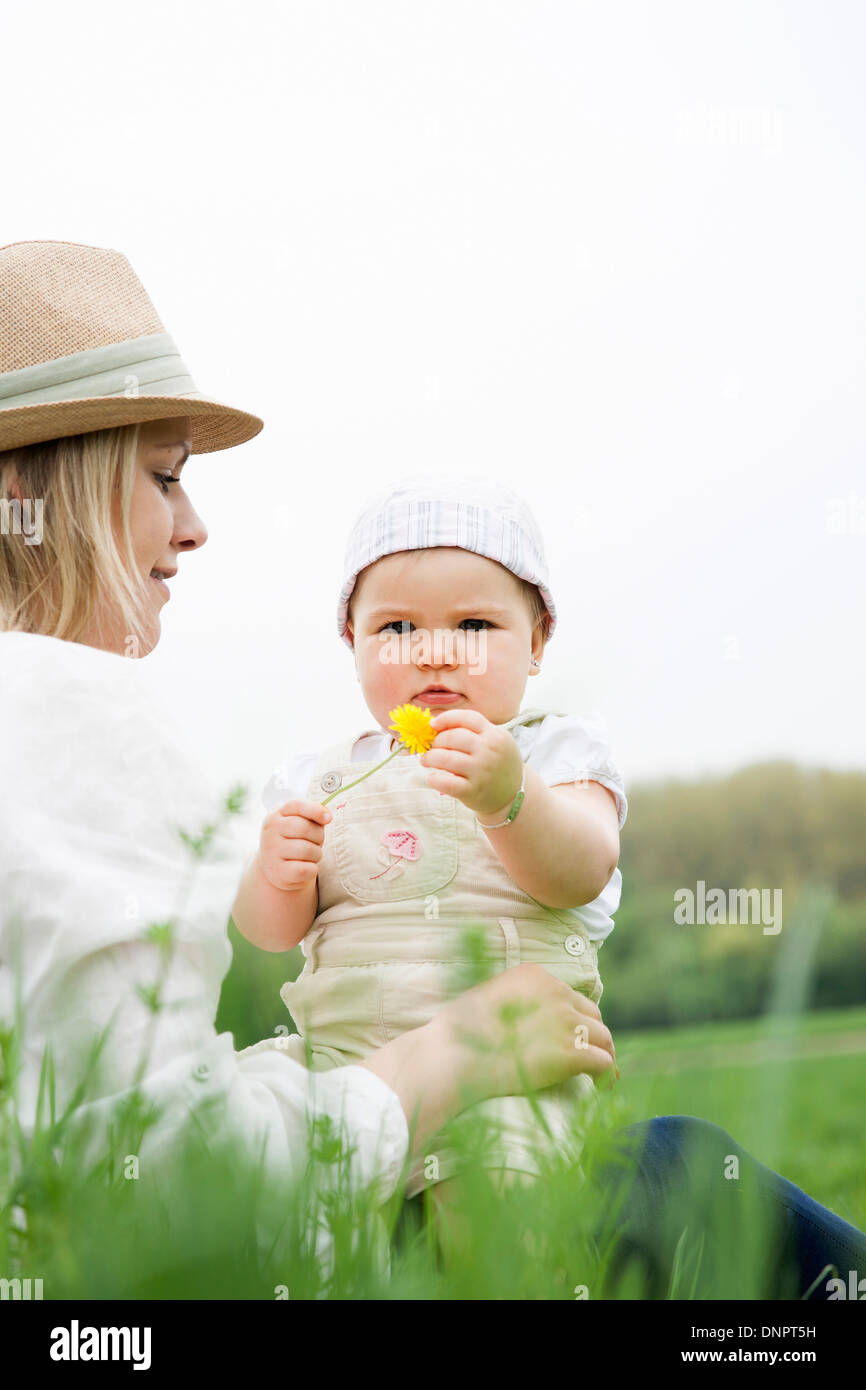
(178, 444)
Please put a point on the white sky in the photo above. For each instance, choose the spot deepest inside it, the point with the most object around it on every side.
(611, 254)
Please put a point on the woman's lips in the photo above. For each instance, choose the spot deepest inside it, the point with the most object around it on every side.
(438, 697)
(161, 585)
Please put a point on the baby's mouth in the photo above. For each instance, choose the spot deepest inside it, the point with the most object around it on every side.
(438, 694)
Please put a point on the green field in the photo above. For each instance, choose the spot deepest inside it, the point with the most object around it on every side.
(793, 1095)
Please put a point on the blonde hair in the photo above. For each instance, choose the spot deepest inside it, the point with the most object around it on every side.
(58, 586)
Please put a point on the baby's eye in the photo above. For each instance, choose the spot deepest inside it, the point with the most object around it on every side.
(401, 623)
(404, 623)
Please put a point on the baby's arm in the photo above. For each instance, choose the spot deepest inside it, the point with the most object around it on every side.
(279, 894)
(567, 848)
(563, 846)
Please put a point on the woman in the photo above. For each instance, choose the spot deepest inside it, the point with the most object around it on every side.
(98, 415)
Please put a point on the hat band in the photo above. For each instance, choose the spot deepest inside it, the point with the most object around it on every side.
(147, 366)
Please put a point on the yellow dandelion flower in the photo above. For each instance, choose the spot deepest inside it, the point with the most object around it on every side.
(412, 727)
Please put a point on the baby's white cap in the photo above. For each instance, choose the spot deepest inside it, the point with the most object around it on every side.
(472, 513)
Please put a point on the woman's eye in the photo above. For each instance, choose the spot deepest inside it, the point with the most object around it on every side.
(165, 480)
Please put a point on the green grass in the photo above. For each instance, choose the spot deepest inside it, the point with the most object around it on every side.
(827, 1021)
(96, 1236)
(816, 1138)
(200, 1221)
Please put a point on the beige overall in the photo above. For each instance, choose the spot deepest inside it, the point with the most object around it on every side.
(403, 871)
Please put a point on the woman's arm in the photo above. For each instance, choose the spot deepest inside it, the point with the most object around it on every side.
(522, 1024)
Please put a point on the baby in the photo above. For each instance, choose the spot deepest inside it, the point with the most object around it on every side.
(510, 822)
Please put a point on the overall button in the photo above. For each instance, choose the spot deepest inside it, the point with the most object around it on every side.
(201, 1072)
(575, 945)
(331, 781)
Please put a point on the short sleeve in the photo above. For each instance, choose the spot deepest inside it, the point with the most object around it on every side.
(573, 748)
(289, 781)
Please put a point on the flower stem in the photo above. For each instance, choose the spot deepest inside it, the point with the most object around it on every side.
(340, 790)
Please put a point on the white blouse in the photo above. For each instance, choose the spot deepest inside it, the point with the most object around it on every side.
(562, 748)
(95, 793)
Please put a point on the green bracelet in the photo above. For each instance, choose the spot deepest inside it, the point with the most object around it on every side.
(515, 807)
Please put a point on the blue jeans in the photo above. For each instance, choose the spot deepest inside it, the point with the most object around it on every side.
(749, 1233)
(759, 1235)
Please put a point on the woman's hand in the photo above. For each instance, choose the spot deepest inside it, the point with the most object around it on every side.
(523, 1026)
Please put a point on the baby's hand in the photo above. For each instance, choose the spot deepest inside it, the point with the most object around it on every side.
(290, 844)
(474, 761)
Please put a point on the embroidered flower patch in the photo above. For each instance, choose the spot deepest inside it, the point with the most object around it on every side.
(397, 846)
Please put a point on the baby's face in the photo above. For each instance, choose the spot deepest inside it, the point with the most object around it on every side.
(446, 617)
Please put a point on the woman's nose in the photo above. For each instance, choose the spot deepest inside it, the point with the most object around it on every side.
(190, 531)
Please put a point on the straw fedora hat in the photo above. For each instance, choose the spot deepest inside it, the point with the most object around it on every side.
(82, 348)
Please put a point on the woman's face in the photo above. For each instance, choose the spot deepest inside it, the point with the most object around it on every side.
(485, 639)
(162, 523)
